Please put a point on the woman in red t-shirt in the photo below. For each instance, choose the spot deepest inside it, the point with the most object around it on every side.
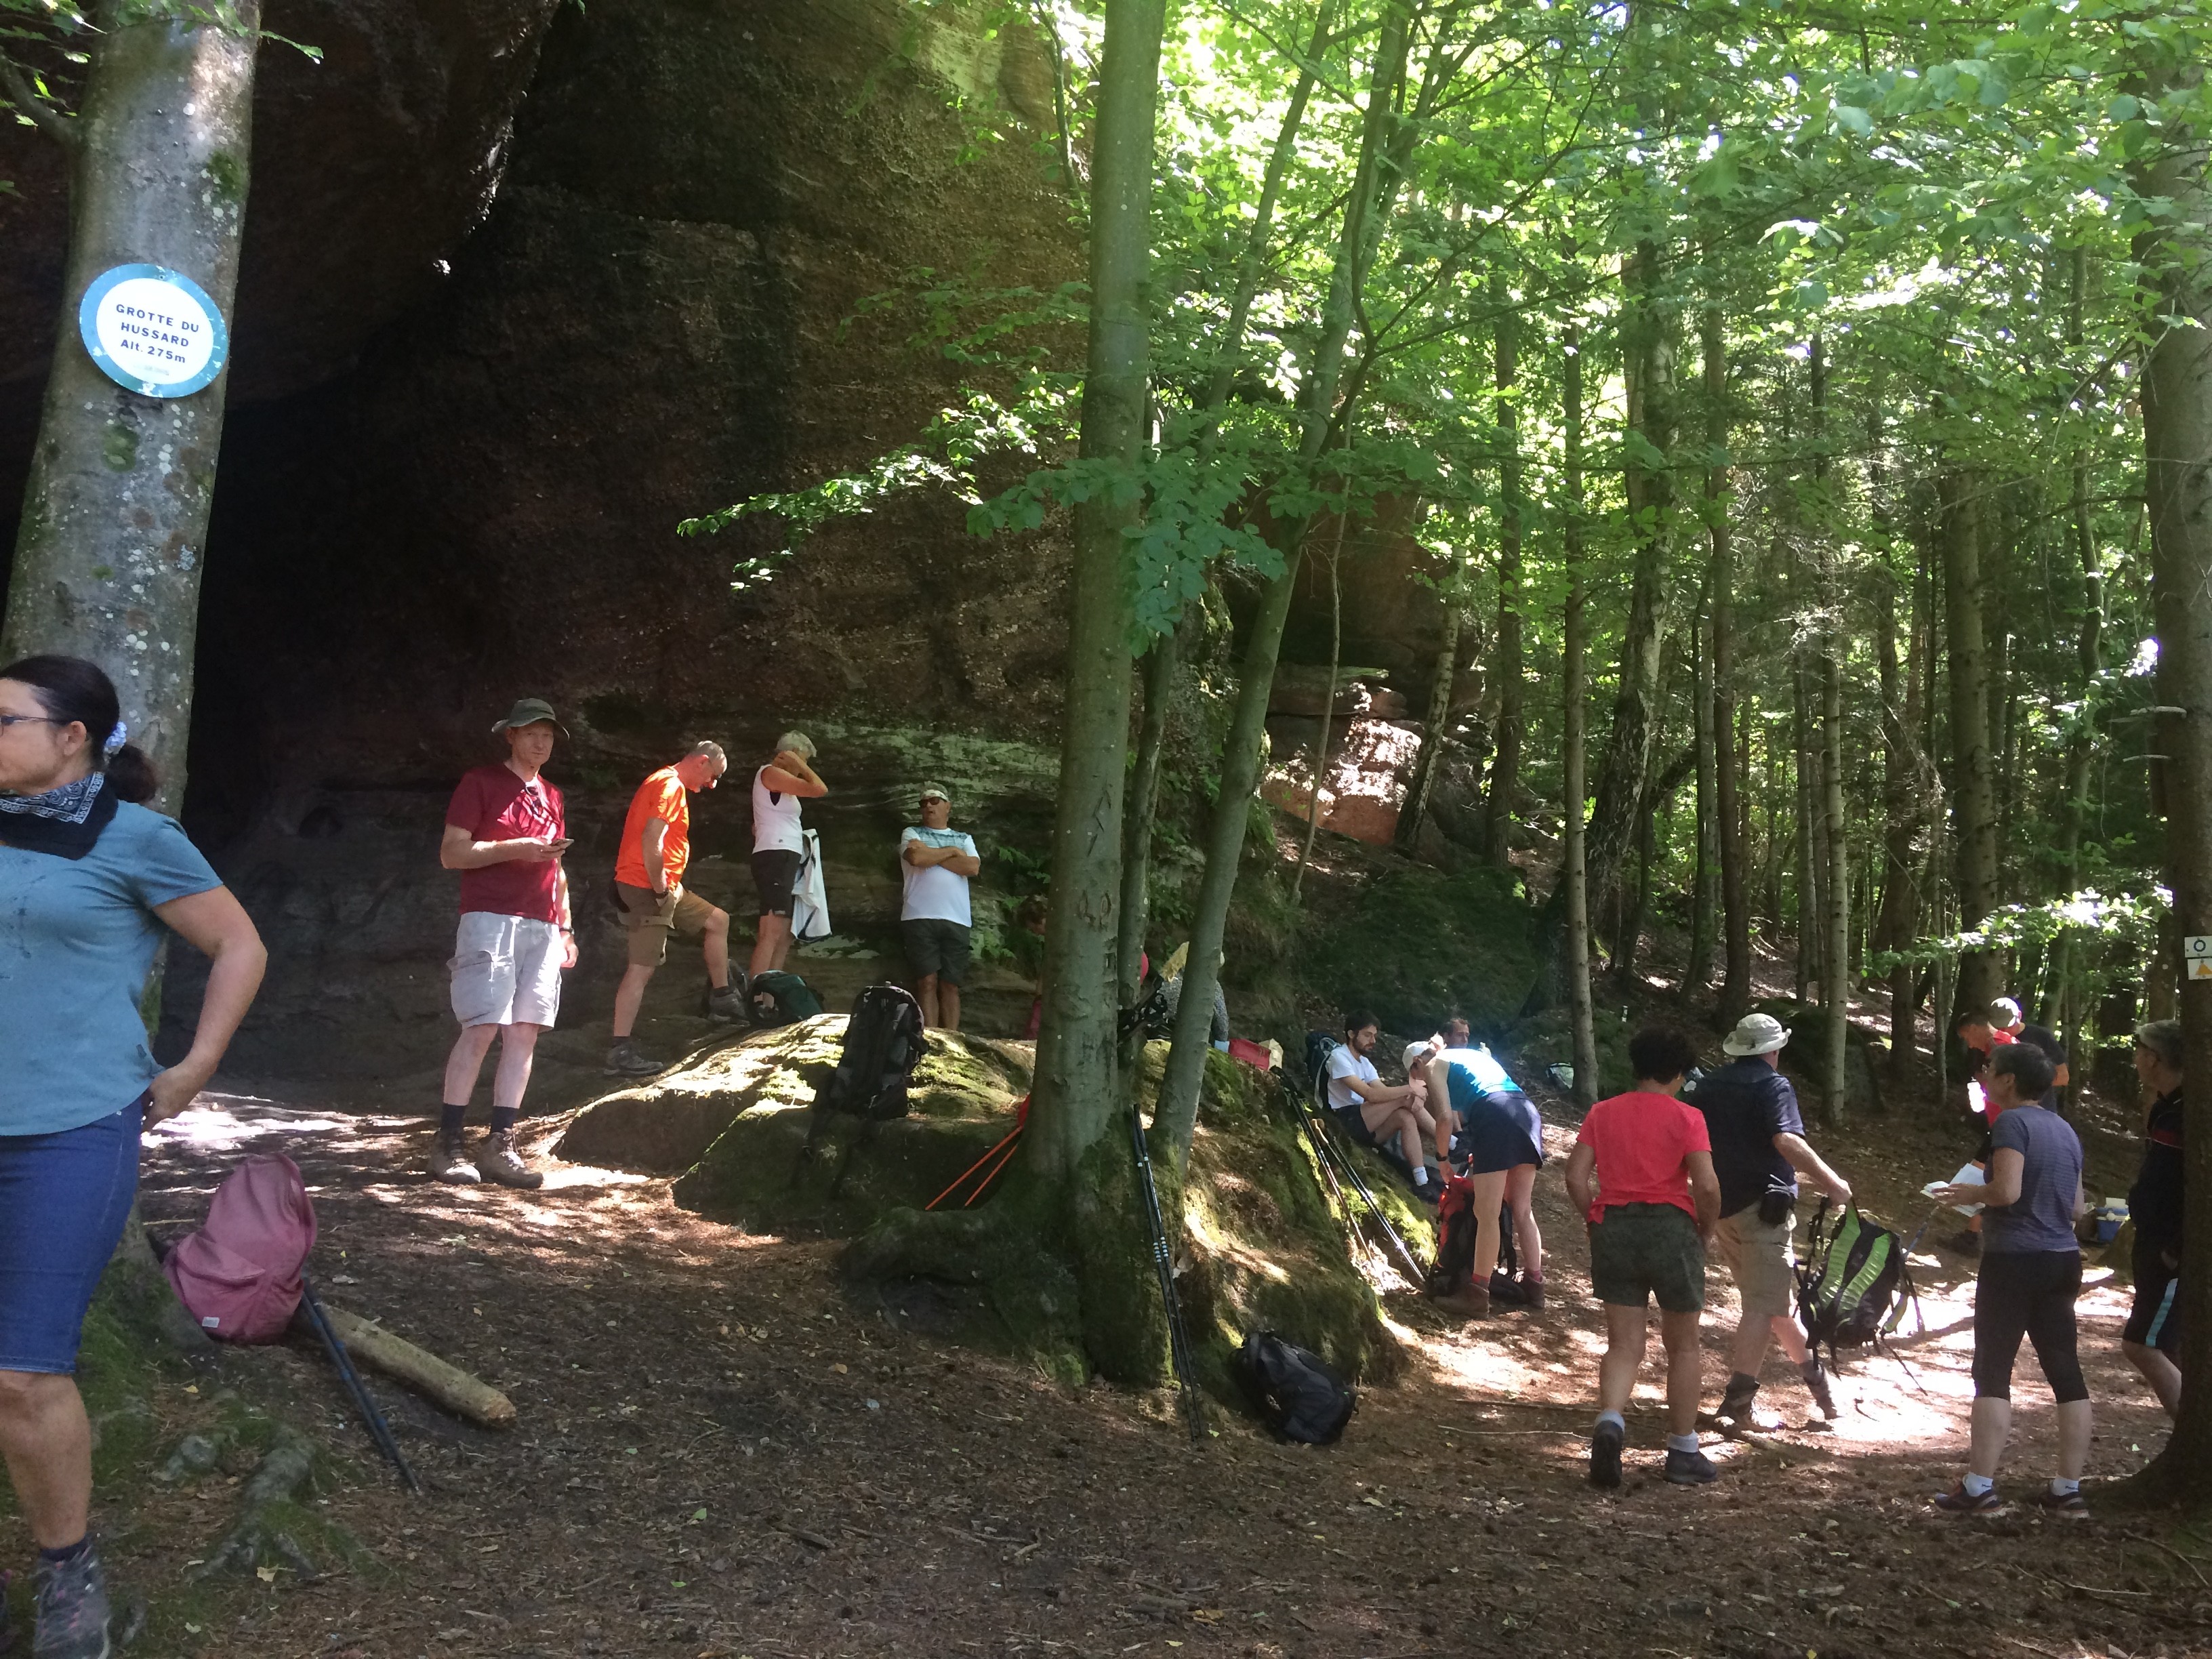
(1642, 1171)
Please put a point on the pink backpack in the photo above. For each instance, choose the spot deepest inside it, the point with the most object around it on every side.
(239, 1274)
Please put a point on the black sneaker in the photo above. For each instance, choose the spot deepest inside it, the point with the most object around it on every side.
(1605, 1455)
(1691, 1469)
(72, 1609)
(1960, 1501)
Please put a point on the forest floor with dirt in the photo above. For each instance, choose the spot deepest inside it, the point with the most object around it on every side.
(721, 1453)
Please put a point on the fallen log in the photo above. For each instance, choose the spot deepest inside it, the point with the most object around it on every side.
(397, 1358)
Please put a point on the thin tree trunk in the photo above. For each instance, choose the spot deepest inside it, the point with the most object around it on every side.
(1077, 1086)
(113, 534)
(1699, 972)
(1649, 343)
(1576, 790)
(1899, 798)
(1177, 1112)
(1728, 784)
(1167, 650)
(2176, 405)
(1407, 834)
(1973, 781)
(1808, 858)
(1329, 703)
(1161, 663)
(2080, 750)
(1836, 976)
(1506, 653)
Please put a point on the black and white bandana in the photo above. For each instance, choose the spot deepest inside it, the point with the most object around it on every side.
(64, 821)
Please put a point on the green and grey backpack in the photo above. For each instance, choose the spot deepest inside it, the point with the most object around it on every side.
(1852, 1282)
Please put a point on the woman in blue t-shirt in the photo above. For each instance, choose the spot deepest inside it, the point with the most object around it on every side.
(88, 881)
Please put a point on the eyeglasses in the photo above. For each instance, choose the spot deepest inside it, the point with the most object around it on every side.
(7, 720)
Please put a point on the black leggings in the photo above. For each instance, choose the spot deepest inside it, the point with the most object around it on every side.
(2028, 1293)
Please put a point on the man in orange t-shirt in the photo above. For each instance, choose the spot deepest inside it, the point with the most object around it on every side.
(1642, 1171)
(655, 851)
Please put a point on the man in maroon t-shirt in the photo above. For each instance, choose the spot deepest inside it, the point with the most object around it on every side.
(505, 834)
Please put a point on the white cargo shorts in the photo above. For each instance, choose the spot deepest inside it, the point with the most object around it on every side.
(505, 970)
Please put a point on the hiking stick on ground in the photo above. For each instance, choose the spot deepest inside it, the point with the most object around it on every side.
(1163, 1263)
(378, 1430)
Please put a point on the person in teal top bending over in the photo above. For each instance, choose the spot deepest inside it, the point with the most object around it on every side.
(90, 881)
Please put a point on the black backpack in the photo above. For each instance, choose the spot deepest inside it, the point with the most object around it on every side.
(1320, 1045)
(883, 1045)
(1294, 1393)
(781, 998)
(1852, 1283)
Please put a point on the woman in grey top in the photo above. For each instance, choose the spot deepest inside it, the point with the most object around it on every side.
(2031, 1276)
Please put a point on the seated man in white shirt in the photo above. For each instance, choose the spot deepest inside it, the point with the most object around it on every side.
(1384, 1109)
(937, 863)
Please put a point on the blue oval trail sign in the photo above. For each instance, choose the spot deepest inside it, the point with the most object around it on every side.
(154, 331)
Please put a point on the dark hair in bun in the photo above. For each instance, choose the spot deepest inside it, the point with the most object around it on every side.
(71, 689)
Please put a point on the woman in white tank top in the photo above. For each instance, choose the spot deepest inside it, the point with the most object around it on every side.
(778, 842)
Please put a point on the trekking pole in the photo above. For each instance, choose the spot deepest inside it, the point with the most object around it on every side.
(1004, 1144)
(378, 1430)
(1314, 1128)
(1178, 1344)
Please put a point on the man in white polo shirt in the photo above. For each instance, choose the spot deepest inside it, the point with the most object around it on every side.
(937, 863)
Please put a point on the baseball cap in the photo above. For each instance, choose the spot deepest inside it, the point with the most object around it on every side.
(935, 792)
(528, 712)
(1417, 1054)
(1755, 1033)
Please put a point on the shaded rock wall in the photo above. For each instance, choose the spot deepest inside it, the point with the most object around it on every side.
(442, 489)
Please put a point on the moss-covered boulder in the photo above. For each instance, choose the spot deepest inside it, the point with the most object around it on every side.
(754, 1170)
(1420, 944)
(1262, 1249)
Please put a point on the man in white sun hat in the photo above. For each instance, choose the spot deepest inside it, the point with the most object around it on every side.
(1759, 1150)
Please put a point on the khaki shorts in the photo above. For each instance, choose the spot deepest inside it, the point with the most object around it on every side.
(1758, 1257)
(506, 970)
(648, 920)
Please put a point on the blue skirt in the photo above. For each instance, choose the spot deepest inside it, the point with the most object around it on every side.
(1502, 1131)
(63, 1199)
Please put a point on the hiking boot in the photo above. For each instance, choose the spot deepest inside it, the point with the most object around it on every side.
(1960, 1501)
(448, 1163)
(1469, 1301)
(1605, 1455)
(1966, 1241)
(1824, 1395)
(1691, 1469)
(1506, 1289)
(72, 1609)
(504, 1164)
(726, 1003)
(1531, 1294)
(2062, 1506)
(623, 1059)
(1735, 1403)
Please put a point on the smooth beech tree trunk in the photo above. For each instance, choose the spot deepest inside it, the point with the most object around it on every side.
(1647, 340)
(1077, 1088)
(1727, 787)
(1835, 966)
(1699, 972)
(1900, 800)
(2176, 405)
(1505, 655)
(1177, 1116)
(1138, 811)
(1973, 781)
(1576, 790)
(112, 540)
